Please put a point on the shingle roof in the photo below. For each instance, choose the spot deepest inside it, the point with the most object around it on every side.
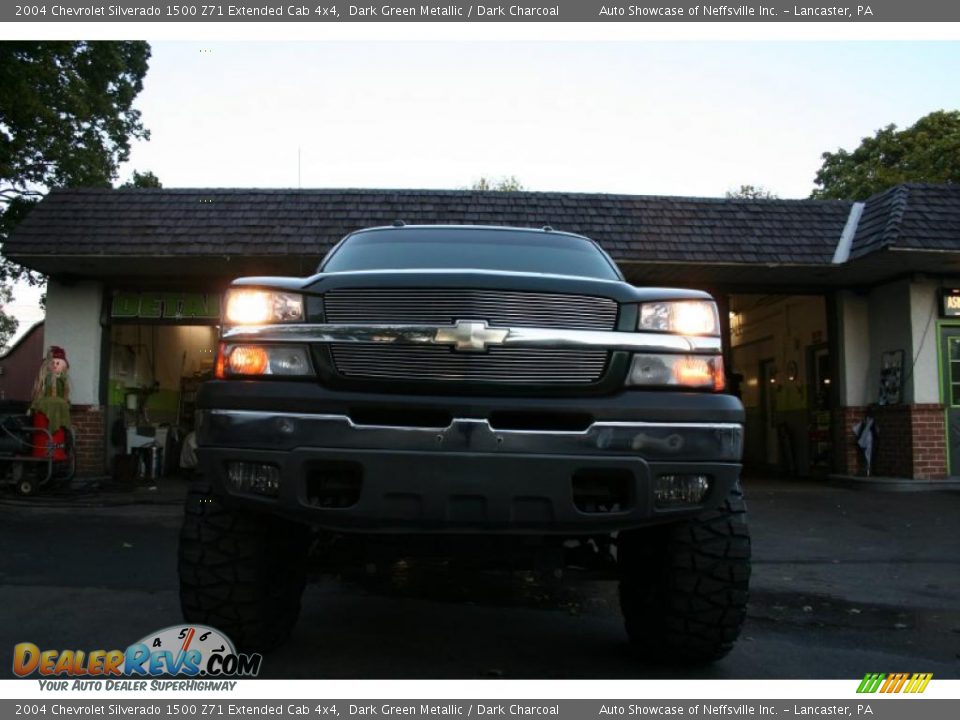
(217, 222)
(89, 225)
(910, 216)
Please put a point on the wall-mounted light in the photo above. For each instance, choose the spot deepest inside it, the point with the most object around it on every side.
(793, 371)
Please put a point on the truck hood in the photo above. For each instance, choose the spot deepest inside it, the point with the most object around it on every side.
(481, 279)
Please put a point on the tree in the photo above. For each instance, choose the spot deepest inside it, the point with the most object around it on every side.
(927, 151)
(66, 120)
(752, 192)
(8, 323)
(142, 180)
(504, 184)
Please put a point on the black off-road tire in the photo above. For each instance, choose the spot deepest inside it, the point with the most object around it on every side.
(240, 572)
(684, 586)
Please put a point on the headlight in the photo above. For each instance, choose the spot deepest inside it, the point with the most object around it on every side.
(685, 317)
(692, 371)
(255, 360)
(256, 307)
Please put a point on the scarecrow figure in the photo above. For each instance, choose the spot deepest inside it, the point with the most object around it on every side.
(51, 402)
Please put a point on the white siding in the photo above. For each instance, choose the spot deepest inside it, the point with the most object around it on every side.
(73, 322)
(854, 331)
(924, 311)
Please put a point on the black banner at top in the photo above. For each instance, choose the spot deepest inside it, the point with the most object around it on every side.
(464, 11)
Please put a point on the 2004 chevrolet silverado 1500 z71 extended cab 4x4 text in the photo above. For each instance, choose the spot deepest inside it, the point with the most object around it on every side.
(470, 381)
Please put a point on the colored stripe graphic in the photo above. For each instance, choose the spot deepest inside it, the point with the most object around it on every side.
(919, 682)
(895, 683)
(871, 681)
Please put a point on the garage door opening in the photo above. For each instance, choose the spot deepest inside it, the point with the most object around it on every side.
(780, 361)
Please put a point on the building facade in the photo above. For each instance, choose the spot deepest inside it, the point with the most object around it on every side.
(19, 364)
(834, 311)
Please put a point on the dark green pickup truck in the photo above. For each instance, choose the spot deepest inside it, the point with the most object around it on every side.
(470, 382)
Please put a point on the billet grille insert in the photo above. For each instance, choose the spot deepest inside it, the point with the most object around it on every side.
(504, 308)
(503, 365)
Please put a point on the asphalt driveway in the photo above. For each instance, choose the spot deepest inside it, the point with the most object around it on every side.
(845, 582)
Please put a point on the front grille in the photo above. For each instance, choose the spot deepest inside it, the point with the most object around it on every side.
(507, 365)
(503, 308)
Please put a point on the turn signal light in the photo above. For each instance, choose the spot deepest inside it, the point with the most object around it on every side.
(253, 360)
(694, 371)
(220, 368)
(248, 360)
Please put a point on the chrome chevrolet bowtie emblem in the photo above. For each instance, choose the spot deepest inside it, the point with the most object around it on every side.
(470, 335)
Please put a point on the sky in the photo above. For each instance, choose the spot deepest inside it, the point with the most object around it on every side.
(636, 117)
(680, 118)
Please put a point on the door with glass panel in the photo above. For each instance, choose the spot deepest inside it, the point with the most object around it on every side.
(950, 383)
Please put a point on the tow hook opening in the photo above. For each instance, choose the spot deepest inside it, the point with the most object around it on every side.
(603, 490)
(334, 483)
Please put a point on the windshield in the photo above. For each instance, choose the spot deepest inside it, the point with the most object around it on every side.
(474, 249)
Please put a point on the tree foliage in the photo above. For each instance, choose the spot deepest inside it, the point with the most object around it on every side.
(752, 192)
(927, 151)
(142, 180)
(8, 323)
(66, 120)
(504, 184)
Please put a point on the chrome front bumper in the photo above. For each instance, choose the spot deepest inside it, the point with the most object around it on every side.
(690, 442)
(467, 476)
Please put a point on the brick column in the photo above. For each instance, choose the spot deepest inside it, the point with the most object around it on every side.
(89, 430)
(928, 431)
(911, 441)
(846, 456)
(893, 456)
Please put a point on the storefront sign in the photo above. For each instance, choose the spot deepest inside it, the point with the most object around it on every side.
(165, 306)
(949, 302)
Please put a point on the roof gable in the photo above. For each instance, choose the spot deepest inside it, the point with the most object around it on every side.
(912, 216)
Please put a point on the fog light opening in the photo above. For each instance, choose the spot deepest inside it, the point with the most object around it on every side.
(678, 490)
(256, 478)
